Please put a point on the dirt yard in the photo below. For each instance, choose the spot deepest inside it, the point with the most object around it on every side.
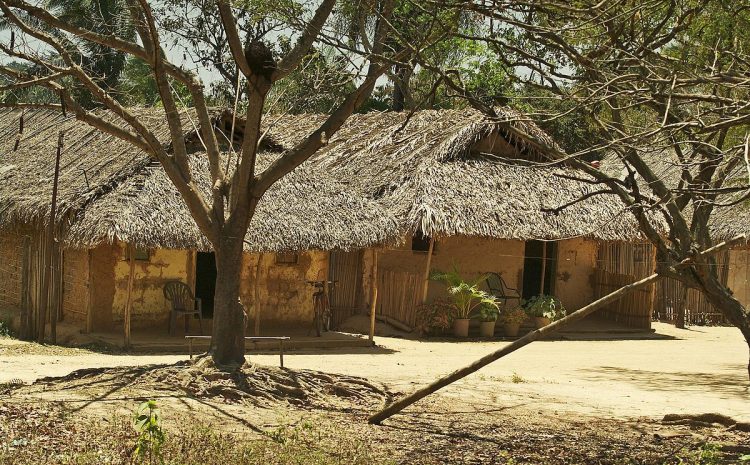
(563, 401)
(702, 369)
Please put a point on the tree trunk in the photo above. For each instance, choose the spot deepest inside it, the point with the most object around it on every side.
(679, 321)
(228, 338)
(400, 87)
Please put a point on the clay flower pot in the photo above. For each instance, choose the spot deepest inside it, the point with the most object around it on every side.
(486, 328)
(511, 329)
(461, 327)
(541, 321)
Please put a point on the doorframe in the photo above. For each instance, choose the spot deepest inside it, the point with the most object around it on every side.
(550, 249)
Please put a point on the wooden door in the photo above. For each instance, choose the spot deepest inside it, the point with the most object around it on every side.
(345, 268)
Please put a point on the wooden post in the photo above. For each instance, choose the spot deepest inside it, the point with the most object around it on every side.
(90, 299)
(129, 299)
(426, 282)
(544, 268)
(401, 404)
(652, 294)
(679, 318)
(374, 299)
(44, 301)
(27, 332)
(256, 297)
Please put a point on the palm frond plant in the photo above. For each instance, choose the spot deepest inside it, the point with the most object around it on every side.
(466, 295)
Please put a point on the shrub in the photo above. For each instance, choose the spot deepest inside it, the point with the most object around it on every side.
(545, 306)
(514, 316)
(488, 313)
(435, 317)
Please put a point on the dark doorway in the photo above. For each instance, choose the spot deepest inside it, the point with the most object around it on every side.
(205, 281)
(540, 257)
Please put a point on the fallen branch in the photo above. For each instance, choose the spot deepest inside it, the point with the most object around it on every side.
(401, 404)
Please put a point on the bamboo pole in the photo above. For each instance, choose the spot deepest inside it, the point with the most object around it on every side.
(374, 299)
(544, 268)
(426, 281)
(44, 300)
(129, 300)
(90, 297)
(652, 294)
(27, 332)
(401, 404)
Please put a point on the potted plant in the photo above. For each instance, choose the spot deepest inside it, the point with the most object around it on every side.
(487, 318)
(467, 298)
(434, 318)
(512, 320)
(544, 309)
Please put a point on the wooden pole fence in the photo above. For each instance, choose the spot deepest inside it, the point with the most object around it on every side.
(440, 383)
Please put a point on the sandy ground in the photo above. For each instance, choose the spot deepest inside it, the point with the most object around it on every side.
(689, 371)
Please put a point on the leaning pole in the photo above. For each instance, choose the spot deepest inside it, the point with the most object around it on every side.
(440, 383)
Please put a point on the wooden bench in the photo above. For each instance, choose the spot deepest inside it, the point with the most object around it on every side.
(281, 340)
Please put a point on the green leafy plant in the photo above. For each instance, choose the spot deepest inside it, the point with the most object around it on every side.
(488, 313)
(545, 306)
(5, 330)
(514, 316)
(466, 295)
(434, 317)
(147, 423)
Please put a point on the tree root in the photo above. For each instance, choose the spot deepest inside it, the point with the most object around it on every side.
(255, 384)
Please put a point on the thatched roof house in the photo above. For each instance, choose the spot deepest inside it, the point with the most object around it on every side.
(110, 191)
(475, 185)
(443, 173)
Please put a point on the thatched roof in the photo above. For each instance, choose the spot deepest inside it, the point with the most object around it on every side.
(110, 191)
(728, 220)
(91, 161)
(303, 211)
(381, 177)
(453, 172)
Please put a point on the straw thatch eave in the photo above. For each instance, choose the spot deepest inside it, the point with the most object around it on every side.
(91, 164)
(382, 177)
(431, 174)
(300, 212)
(729, 219)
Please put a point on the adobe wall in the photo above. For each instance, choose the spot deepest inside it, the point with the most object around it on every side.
(75, 285)
(284, 295)
(475, 256)
(576, 260)
(739, 274)
(150, 308)
(472, 256)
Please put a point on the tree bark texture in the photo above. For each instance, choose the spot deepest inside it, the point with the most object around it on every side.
(228, 338)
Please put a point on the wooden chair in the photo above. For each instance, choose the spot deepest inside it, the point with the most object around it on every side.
(497, 287)
(184, 304)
